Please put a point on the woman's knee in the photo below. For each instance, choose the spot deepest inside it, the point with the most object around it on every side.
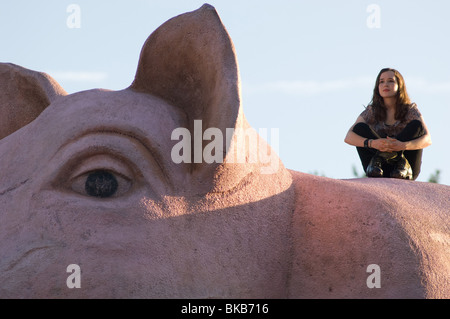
(416, 128)
(362, 129)
(412, 130)
(415, 125)
(360, 126)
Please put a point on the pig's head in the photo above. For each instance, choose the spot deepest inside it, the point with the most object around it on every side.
(115, 181)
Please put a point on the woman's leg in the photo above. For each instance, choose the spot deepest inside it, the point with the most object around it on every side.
(413, 130)
(365, 154)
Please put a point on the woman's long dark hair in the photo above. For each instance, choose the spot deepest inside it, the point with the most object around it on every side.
(403, 101)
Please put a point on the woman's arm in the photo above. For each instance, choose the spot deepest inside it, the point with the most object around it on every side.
(352, 138)
(416, 144)
(381, 144)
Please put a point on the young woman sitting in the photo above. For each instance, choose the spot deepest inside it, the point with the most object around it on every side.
(390, 133)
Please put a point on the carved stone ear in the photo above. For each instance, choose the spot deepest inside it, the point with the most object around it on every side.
(24, 94)
(190, 62)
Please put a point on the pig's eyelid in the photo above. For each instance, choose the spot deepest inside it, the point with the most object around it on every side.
(103, 162)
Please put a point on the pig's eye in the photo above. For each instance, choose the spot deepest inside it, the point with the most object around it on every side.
(101, 177)
(107, 166)
(101, 183)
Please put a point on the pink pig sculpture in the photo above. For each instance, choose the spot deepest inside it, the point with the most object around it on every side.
(106, 194)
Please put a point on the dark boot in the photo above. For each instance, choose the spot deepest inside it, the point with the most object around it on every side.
(402, 169)
(374, 169)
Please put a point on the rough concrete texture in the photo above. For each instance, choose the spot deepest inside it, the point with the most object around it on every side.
(340, 227)
(193, 230)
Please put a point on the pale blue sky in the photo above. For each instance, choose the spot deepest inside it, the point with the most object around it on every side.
(307, 67)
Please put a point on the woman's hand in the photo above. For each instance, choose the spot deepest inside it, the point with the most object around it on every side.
(388, 144)
(396, 145)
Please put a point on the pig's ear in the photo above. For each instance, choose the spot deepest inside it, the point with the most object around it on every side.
(24, 94)
(190, 62)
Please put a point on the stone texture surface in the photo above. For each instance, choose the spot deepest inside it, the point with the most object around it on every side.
(342, 226)
(193, 230)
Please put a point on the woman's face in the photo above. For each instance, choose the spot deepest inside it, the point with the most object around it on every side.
(388, 85)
